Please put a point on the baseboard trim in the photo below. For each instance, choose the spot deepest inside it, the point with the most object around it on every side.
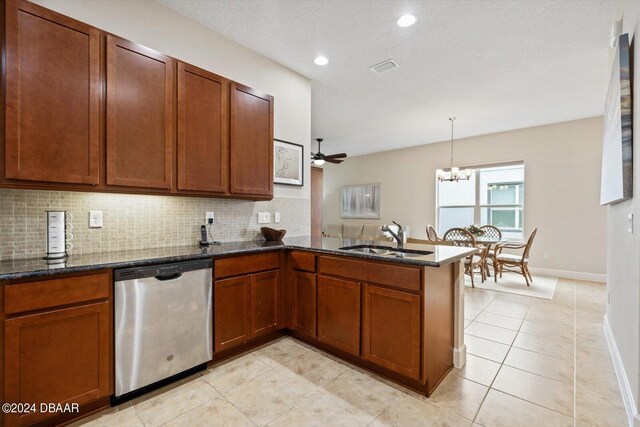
(567, 274)
(460, 356)
(623, 381)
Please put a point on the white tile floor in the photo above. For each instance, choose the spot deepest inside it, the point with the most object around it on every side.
(530, 362)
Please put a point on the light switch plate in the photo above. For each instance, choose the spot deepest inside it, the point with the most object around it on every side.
(95, 219)
(264, 217)
(630, 223)
(276, 217)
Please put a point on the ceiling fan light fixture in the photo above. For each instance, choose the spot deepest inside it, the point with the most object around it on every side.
(318, 162)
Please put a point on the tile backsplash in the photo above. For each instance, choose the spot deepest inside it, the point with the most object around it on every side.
(136, 221)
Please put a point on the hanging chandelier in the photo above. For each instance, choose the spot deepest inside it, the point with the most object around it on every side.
(453, 173)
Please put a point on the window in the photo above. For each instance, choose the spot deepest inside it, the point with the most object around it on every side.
(493, 195)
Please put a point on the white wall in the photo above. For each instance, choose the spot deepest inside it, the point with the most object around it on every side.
(562, 188)
(623, 255)
(152, 25)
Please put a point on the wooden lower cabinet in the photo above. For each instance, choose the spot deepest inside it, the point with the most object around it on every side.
(339, 314)
(245, 307)
(61, 356)
(391, 330)
(232, 312)
(264, 302)
(304, 302)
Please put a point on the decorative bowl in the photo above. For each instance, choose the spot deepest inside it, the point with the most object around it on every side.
(271, 234)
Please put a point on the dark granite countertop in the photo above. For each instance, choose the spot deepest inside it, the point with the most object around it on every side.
(34, 267)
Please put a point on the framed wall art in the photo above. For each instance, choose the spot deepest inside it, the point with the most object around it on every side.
(288, 163)
(361, 201)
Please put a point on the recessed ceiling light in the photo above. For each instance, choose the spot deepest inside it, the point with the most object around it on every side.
(321, 60)
(406, 20)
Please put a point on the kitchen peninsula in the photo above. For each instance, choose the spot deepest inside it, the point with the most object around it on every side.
(400, 317)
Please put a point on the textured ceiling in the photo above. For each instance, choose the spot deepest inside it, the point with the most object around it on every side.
(496, 65)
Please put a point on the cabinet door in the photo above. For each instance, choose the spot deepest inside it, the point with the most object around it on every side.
(391, 330)
(251, 142)
(203, 130)
(60, 356)
(304, 302)
(264, 302)
(339, 314)
(52, 96)
(139, 115)
(232, 308)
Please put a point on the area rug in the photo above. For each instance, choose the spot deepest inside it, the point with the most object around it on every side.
(513, 283)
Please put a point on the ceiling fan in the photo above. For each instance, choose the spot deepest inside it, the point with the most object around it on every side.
(319, 158)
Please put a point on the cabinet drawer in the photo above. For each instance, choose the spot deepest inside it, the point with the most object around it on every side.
(408, 278)
(246, 264)
(21, 297)
(303, 261)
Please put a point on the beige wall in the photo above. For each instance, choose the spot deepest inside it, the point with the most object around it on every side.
(623, 256)
(562, 181)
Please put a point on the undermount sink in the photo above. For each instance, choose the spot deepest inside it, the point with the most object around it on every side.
(387, 251)
(369, 249)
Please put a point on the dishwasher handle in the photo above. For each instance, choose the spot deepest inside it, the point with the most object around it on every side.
(168, 276)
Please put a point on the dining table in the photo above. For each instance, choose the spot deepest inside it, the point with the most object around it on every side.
(489, 240)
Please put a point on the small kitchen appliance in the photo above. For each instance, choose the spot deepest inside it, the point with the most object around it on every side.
(58, 235)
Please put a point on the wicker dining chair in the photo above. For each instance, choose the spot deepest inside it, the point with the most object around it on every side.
(432, 234)
(462, 237)
(519, 261)
(494, 233)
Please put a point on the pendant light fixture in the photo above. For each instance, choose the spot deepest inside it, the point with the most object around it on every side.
(454, 173)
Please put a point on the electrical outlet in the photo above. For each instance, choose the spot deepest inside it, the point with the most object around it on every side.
(276, 217)
(545, 255)
(209, 218)
(264, 217)
(95, 219)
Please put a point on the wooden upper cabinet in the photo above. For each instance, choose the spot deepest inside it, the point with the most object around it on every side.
(52, 96)
(391, 330)
(140, 116)
(203, 130)
(251, 145)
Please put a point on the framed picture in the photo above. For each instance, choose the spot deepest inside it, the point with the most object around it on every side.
(288, 162)
(361, 201)
(616, 182)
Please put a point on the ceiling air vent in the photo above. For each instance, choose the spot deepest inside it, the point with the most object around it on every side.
(385, 66)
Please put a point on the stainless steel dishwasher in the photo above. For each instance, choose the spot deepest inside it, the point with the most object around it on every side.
(163, 322)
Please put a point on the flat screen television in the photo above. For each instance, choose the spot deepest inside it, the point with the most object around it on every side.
(616, 182)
